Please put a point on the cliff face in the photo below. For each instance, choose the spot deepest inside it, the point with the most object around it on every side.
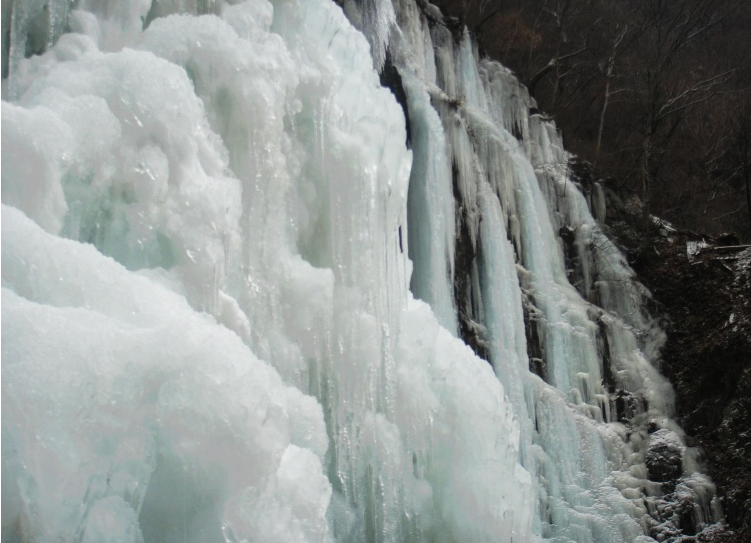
(704, 287)
(707, 356)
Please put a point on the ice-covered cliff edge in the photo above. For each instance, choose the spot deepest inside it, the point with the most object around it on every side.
(210, 331)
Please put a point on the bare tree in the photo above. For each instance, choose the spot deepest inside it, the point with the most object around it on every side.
(624, 80)
(671, 34)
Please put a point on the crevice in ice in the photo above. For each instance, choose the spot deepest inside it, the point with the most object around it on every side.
(375, 19)
(29, 28)
(391, 79)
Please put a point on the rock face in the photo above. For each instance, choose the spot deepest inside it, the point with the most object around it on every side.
(704, 287)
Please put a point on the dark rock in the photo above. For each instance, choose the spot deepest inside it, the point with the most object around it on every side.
(392, 80)
(466, 297)
(568, 235)
(535, 352)
(628, 405)
(664, 457)
(603, 349)
(728, 238)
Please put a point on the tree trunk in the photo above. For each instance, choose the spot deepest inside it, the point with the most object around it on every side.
(748, 200)
(602, 120)
(746, 164)
(646, 188)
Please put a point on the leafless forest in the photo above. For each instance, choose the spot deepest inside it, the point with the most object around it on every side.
(653, 93)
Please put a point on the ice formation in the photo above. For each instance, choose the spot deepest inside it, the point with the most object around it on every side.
(237, 305)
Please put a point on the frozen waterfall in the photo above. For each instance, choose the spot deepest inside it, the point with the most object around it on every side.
(247, 295)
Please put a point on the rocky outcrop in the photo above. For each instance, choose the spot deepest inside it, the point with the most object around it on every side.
(665, 457)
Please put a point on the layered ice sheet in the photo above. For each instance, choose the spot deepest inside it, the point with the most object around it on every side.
(212, 235)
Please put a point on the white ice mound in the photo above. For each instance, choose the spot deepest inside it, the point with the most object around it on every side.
(127, 415)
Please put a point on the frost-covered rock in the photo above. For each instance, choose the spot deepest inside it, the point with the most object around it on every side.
(664, 457)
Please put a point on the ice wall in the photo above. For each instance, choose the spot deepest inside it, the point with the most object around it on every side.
(209, 333)
(215, 228)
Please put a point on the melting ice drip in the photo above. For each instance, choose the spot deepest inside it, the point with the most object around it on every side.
(209, 333)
